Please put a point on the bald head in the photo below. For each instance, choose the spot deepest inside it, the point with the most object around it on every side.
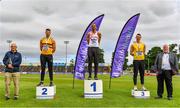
(166, 48)
(13, 47)
(13, 44)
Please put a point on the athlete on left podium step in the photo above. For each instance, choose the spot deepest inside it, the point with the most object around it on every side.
(47, 48)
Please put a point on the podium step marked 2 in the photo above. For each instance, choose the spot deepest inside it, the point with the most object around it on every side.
(45, 92)
(140, 94)
(93, 89)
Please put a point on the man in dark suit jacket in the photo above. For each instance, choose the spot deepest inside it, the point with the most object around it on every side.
(166, 65)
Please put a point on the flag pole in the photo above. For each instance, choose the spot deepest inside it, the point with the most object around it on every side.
(129, 28)
(73, 79)
(110, 81)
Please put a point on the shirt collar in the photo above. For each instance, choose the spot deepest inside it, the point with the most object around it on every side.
(14, 52)
(165, 53)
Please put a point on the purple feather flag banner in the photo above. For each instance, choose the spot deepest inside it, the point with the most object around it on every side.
(122, 46)
(81, 56)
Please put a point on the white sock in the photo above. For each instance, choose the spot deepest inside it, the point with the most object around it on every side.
(135, 87)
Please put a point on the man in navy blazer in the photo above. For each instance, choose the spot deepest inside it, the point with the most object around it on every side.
(12, 60)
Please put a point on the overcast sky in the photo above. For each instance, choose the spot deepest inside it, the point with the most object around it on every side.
(24, 21)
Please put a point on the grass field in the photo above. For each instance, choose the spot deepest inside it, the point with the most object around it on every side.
(118, 96)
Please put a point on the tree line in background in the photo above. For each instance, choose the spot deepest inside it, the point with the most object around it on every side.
(149, 57)
(151, 54)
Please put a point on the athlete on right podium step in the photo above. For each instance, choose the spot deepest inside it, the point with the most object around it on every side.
(137, 50)
(93, 39)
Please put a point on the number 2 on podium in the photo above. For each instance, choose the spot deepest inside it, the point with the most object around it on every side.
(44, 91)
(94, 86)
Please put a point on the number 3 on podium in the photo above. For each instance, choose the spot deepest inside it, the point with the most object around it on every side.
(142, 93)
(44, 91)
(94, 86)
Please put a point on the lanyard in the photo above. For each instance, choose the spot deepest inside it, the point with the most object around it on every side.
(47, 39)
(94, 35)
(138, 44)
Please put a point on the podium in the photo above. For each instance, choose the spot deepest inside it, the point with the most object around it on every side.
(45, 92)
(140, 94)
(93, 89)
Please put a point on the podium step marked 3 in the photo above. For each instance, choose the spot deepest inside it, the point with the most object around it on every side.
(140, 94)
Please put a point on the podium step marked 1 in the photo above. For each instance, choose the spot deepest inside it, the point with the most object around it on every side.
(45, 92)
(93, 89)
